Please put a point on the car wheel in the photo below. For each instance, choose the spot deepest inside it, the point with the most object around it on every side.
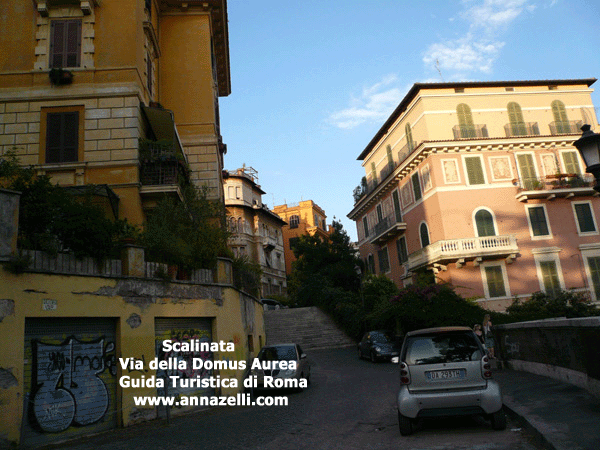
(373, 357)
(406, 425)
(498, 420)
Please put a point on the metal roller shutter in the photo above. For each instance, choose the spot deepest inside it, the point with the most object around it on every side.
(70, 378)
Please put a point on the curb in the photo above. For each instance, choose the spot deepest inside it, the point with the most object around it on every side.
(530, 425)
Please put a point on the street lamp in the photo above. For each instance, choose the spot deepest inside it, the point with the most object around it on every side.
(589, 147)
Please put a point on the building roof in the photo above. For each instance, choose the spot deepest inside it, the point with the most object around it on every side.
(417, 87)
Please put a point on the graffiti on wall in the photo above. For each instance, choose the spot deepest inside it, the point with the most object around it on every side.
(188, 356)
(66, 388)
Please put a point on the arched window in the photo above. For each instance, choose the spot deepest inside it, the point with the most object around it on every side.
(424, 232)
(409, 138)
(294, 221)
(515, 117)
(561, 121)
(240, 225)
(484, 221)
(465, 121)
(232, 224)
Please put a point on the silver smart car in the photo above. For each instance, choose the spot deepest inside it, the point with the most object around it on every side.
(446, 372)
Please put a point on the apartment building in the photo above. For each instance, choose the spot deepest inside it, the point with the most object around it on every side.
(121, 95)
(478, 184)
(256, 232)
(303, 218)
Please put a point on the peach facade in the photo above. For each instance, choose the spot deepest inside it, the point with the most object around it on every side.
(303, 218)
(256, 231)
(478, 184)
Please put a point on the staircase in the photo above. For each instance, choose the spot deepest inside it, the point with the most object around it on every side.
(309, 327)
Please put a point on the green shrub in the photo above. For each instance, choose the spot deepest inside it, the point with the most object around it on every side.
(543, 306)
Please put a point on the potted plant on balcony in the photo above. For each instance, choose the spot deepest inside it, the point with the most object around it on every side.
(60, 76)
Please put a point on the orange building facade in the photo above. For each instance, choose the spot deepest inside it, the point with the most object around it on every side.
(478, 184)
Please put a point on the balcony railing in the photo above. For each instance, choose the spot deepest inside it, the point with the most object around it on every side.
(551, 186)
(470, 132)
(464, 249)
(567, 127)
(522, 129)
(386, 229)
(161, 164)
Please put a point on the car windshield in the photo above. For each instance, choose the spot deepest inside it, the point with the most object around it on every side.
(381, 338)
(442, 348)
(278, 353)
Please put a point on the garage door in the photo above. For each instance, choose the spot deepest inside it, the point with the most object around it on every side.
(70, 378)
(184, 329)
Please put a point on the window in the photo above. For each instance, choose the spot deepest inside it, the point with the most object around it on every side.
(465, 121)
(390, 158)
(494, 280)
(538, 221)
(550, 279)
(594, 266)
(424, 233)
(61, 135)
(373, 173)
(474, 170)
(584, 218)
(571, 162)
(65, 43)
(294, 221)
(561, 121)
(484, 221)
(416, 186)
(402, 250)
(379, 213)
(366, 226)
(515, 117)
(409, 138)
(384, 262)
(397, 209)
(371, 263)
(149, 73)
(527, 171)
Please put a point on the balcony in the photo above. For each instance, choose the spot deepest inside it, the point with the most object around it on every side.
(551, 186)
(461, 250)
(567, 127)
(470, 132)
(386, 229)
(522, 129)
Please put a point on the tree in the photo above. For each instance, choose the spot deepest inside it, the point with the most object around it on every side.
(543, 306)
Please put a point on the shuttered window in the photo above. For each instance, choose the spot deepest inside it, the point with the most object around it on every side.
(397, 210)
(537, 218)
(474, 170)
(62, 137)
(416, 186)
(485, 223)
(65, 43)
(409, 138)
(495, 281)
(384, 262)
(465, 121)
(594, 265)
(424, 233)
(560, 117)
(571, 163)
(585, 220)
(550, 278)
(366, 226)
(527, 170)
(515, 117)
(402, 250)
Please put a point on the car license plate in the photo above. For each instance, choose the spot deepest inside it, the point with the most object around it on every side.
(449, 374)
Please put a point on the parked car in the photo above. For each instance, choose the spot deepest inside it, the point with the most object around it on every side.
(269, 304)
(275, 363)
(378, 345)
(446, 372)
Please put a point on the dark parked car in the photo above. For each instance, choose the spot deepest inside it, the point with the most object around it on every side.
(378, 345)
(282, 366)
(446, 372)
(269, 304)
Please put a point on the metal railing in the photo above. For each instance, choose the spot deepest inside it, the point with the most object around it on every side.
(566, 127)
(67, 263)
(522, 129)
(470, 132)
(558, 181)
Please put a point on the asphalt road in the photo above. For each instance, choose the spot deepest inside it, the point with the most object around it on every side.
(349, 405)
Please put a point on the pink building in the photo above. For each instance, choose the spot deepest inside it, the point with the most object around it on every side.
(478, 184)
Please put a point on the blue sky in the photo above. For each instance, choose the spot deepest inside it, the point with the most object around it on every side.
(313, 81)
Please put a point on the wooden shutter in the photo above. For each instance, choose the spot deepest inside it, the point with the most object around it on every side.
(485, 223)
(424, 232)
(495, 281)
(538, 221)
(515, 117)
(550, 278)
(416, 186)
(402, 250)
(465, 121)
(62, 137)
(474, 170)
(527, 171)
(397, 210)
(366, 226)
(594, 265)
(560, 117)
(571, 163)
(584, 218)
(409, 138)
(65, 43)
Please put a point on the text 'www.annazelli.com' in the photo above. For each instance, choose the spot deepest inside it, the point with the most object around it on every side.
(238, 400)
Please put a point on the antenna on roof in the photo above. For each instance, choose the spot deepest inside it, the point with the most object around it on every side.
(437, 67)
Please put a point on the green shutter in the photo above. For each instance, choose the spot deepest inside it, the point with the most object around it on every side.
(527, 170)
(384, 263)
(594, 264)
(515, 117)
(485, 223)
(495, 281)
(474, 170)
(539, 226)
(397, 210)
(465, 121)
(366, 226)
(550, 278)
(409, 138)
(571, 163)
(402, 250)
(584, 218)
(416, 186)
(560, 117)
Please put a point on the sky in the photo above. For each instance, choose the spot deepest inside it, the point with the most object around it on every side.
(314, 80)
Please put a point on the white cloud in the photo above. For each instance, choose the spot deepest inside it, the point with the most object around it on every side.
(463, 55)
(374, 104)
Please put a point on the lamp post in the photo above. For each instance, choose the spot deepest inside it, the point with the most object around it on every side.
(589, 148)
